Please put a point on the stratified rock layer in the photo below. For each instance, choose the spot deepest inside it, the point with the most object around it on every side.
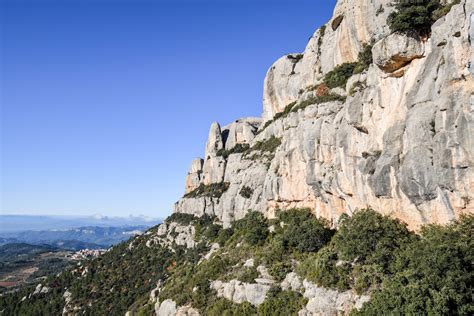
(401, 142)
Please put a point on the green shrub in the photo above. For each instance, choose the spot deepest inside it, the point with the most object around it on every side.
(443, 10)
(325, 269)
(214, 190)
(248, 275)
(181, 218)
(318, 100)
(223, 307)
(285, 112)
(238, 148)
(417, 16)
(268, 145)
(224, 235)
(282, 303)
(279, 269)
(433, 275)
(370, 237)
(304, 231)
(246, 192)
(364, 59)
(253, 228)
(360, 253)
(205, 227)
(322, 31)
(339, 75)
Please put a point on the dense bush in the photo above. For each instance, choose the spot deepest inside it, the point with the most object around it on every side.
(303, 231)
(433, 275)
(247, 274)
(339, 75)
(253, 228)
(223, 307)
(246, 192)
(224, 235)
(417, 15)
(214, 190)
(205, 227)
(370, 237)
(359, 253)
(181, 218)
(282, 303)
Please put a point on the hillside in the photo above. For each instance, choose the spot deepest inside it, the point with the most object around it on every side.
(353, 194)
(291, 264)
(22, 263)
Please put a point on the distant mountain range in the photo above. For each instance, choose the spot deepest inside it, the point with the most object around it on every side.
(17, 223)
(71, 232)
(91, 237)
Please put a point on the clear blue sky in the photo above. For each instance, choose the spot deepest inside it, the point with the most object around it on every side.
(105, 103)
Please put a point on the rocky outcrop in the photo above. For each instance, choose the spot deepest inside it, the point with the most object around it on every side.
(170, 234)
(239, 292)
(322, 301)
(241, 131)
(194, 177)
(396, 51)
(400, 143)
(169, 308)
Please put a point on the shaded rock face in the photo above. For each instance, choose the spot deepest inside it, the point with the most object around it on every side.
(401, 143)
(194, 177)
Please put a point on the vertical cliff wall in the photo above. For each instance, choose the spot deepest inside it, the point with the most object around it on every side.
(398, 137)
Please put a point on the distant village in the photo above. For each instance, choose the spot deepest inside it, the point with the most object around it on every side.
(87, 254)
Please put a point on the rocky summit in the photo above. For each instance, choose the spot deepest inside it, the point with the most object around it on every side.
(395, 135)
(352, 194)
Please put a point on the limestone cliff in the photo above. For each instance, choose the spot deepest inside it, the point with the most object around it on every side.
(398, 137)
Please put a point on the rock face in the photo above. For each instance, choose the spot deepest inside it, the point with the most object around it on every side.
(169, 234)
(401, 142)
(354, 23)
(194, 177)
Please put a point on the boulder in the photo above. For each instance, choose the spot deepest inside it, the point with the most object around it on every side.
(166, 308)
(396, 51)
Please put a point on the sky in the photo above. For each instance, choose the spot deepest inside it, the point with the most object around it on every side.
(105, 103)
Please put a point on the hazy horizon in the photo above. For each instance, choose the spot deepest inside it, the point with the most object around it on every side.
(105, 104)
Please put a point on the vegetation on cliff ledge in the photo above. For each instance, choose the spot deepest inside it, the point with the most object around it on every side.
(417, 16)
